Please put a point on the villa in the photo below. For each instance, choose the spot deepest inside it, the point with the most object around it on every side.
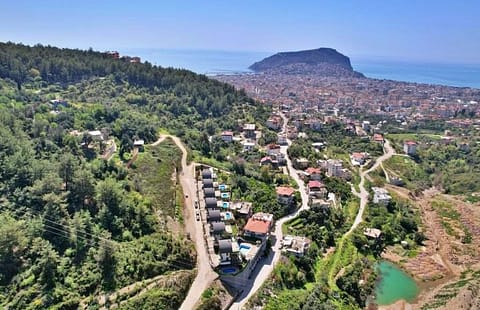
(227, 136)
(259, 225)
(410, 147)
(295, 245)
(225, 250)
(314, 173)
(372, 233)
(316, 188)
(381, 196)
(285, 194)
(214, 215)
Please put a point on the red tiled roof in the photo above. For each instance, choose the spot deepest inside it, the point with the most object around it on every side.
(410, 143)
(285, 190)
(357, 155)
(313, 184)
(265, 159)
(377, 137)
(273, 146)
(312, 170)
(257, 226)
(227, 133)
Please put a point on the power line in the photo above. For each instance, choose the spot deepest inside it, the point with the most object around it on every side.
(65, 231)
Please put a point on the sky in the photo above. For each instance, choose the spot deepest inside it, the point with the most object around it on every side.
(426, 30)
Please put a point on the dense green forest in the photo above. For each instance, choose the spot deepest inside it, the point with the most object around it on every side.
(73, 224)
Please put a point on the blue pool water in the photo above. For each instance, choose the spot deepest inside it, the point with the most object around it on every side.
(229, 270)
(225, 205)
(244, 248)
(228, 215)
(222, 187)
(225, 195)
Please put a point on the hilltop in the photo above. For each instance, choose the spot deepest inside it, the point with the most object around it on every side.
(78, 221)
(322, 61)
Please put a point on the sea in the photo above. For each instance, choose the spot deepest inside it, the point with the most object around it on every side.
(215, 62)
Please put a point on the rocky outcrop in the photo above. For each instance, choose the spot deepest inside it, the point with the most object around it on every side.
(322, 61)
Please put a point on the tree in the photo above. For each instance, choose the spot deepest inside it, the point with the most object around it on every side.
(66, 169)
(12, 247)
(82, 188)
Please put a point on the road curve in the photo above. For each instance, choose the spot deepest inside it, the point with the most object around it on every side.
(205, 274)
(263, 274)
(363, 195)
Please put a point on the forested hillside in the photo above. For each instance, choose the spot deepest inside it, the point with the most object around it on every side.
(74, 224)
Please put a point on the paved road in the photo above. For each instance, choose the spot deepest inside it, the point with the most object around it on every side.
(263, 271)
(205, 274)
(363, 195)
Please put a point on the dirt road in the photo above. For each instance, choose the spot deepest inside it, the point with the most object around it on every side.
(363, 195)
(205, 274)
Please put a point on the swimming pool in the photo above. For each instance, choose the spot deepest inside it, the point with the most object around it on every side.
(229, 270)
(228, 215)
(244, 249)
(225, 195)
(222, 187)
(225, 205)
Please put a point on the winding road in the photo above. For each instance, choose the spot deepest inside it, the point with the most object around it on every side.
(205, 275)
(363, 195)
(264, 270)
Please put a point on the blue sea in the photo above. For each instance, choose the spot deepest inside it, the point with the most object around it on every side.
(212, 62)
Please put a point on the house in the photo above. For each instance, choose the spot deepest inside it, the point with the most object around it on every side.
(135, 60)
(267, 160)
(273, 149)
(214, 215)
(378, 138)
(217, 228)
(295, 245)
(314, 124)
(113, 54)
(207, 173)
(207, 183)
(410, 147)
(366, 125)
(282, 139)
(302, 163)
(227, 136)
(209, 192)
(242, 209)
(334, 168)
(139, 144)
(285, 194)
(248, 146)
(249, 131)
(381, 196)
(314, 173)
(316, 188)
(58, 102)
(225, 249)
(96, 135)
(274, 122)
(358, 159)
(211, 203)
(372, 233)
(318, 145)
(259, 225)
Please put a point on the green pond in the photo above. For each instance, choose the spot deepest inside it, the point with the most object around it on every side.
(394, 285)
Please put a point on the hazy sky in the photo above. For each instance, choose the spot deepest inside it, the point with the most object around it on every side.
(436, 30)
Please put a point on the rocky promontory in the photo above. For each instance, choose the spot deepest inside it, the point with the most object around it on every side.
(321, 61)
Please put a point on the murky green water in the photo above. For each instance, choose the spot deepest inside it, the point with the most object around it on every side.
(394, 285)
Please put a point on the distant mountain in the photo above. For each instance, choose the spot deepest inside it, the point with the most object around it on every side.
(322, 61)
